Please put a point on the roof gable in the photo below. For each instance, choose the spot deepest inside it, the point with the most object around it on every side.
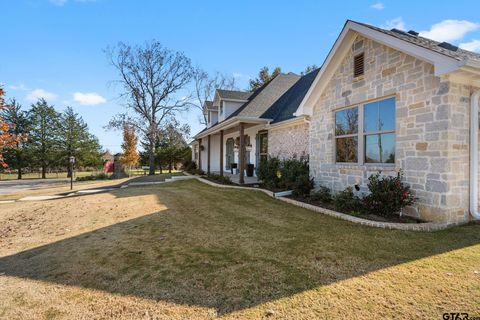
(285, 107)
(417, 47)
(264, 97)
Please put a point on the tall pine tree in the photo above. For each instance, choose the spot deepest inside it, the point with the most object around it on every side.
(20, 122)
(75, 140)
(43, 136)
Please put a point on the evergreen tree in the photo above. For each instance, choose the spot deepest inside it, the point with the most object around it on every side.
(172, 145)
(263, 77)
(20, 122)
(43, 135)
(75, 140)
(8, 139)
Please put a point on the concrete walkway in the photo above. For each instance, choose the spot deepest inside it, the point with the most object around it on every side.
(97, 190)
(16, 186)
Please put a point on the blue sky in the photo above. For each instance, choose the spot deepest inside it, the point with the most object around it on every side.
(54, 48)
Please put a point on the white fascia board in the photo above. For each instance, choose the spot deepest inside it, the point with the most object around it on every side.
(231, 123)
(442, 64)
(287, 123)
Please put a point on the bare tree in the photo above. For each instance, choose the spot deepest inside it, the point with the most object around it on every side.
(205, 86)
(151, 76)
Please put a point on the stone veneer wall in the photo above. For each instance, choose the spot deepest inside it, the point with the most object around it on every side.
(287, 142)
(432, 130)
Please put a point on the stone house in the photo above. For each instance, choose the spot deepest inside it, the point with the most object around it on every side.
(384, 101)
(244, 127)
(387, 100)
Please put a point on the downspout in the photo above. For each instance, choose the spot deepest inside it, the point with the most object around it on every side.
(474, 100)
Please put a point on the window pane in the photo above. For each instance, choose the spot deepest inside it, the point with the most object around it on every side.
(346, 121)
(263, 143)
(380, 148)
(380, 115)
(347, 149)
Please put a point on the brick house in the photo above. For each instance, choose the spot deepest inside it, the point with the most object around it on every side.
(389, 100)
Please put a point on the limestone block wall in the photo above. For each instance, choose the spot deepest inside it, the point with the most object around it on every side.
(432, 116)
(290, 141)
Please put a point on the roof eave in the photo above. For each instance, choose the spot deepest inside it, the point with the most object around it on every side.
(231, 123)
(442, 64)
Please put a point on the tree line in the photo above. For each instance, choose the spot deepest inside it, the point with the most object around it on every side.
(43, 139)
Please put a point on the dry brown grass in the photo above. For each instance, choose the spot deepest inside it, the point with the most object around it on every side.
(191, 251)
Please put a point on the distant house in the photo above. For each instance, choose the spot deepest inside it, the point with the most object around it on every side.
(384, 100)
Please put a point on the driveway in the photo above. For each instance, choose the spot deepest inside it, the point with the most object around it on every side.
(14, 186)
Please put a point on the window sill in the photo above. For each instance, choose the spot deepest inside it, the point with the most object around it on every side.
(366, 166)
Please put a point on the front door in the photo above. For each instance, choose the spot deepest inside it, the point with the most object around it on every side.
(229, 153)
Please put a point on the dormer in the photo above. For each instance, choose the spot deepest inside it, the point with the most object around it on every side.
(227, 101)
(211, 113)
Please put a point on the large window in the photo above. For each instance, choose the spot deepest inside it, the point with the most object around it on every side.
(366, 133)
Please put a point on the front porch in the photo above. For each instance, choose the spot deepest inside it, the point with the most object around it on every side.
(235, 178)
(239, 145)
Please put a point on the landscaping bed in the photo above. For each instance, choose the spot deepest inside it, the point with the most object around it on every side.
(363, 215)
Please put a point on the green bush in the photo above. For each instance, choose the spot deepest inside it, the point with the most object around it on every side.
(100, 176)
(269, 172)
(388, 195)
(218, 178)
(189, 166)
(323, 195)
(347, 201)
(288, 174)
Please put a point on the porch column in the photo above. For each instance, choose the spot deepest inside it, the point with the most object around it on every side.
(200, 154)
(241, 154)
(221, 153)
(208, 154)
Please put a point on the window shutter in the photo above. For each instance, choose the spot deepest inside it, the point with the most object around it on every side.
(358, 65)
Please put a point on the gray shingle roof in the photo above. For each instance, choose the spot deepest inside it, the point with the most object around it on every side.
(233, 94)
(458, 54)
(264, 97)
(288, 103)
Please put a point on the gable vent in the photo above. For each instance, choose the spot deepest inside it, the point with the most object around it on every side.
(358, 65)
(448, 46)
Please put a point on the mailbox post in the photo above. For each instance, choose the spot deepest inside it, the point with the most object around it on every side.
(71, 161)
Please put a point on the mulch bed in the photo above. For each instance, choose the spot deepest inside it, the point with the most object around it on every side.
(368, 216)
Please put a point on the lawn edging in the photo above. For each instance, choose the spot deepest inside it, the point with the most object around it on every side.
(425, 227)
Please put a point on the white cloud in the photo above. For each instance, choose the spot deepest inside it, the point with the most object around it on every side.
(59, 3)
(473, 45)
(237, 75)
(378, 6)
(36, 94)
(450, 30)
(20, 87)
(396, 23)
(89, 98)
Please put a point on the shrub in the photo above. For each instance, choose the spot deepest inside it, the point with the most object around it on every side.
(388, 195)
(100, 176)
(323, 195)
(218, 178)
(347, 201)
(269, 172)
(189, 166)
(289, 174)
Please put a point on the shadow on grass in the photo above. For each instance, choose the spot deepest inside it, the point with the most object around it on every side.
(225, 249)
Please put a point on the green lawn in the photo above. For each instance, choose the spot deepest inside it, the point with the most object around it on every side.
(200, 251)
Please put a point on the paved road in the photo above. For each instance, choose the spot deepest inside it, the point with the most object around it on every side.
(14, 186)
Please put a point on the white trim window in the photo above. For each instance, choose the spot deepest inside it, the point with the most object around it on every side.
(366, 133)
